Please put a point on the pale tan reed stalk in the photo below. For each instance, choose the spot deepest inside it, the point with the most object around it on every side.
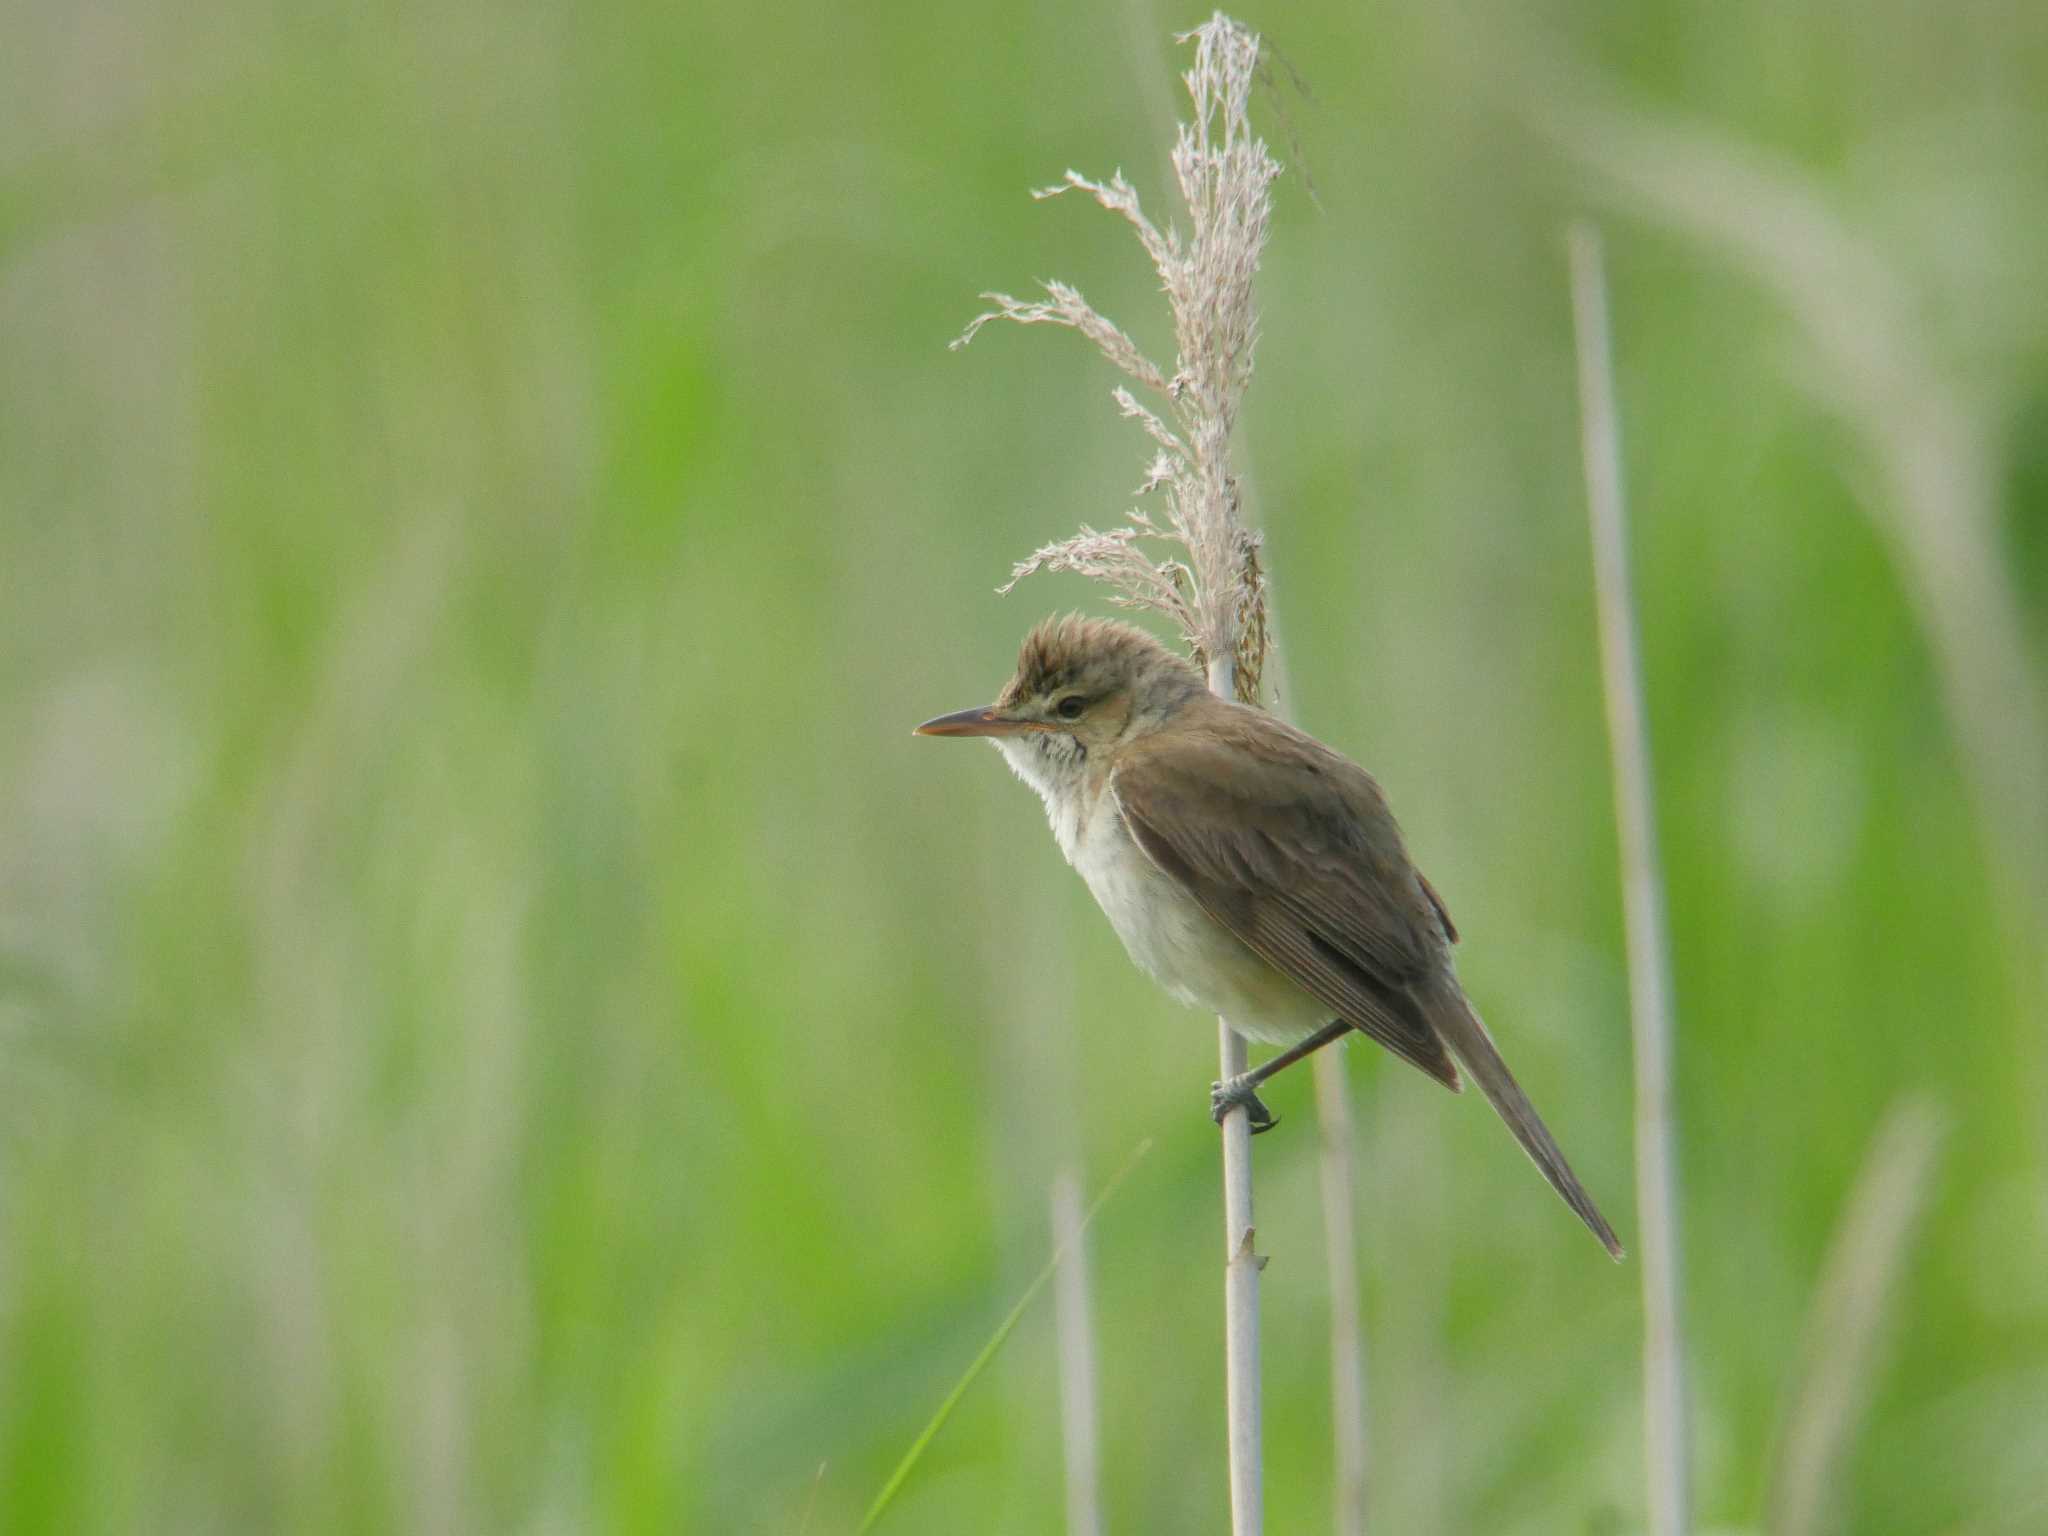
(1337, 1180)
(1073, 1321)
(1347, 1348)
(1209, 582)
(1871, 350)
(1858, 1284)
(1665, 1454)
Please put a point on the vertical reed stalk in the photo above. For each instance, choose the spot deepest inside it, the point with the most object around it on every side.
(1347, 1368)
(1664, 1389)
(1338, 1182)
(1080, 1420)
(1858, 1285)
(1209, 582)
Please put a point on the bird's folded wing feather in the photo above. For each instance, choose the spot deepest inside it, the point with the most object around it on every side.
(1291, 847)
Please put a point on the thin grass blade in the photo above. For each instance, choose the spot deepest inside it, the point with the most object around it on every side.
(988, 1352)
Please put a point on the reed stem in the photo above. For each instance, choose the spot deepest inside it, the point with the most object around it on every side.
(1664, 1387)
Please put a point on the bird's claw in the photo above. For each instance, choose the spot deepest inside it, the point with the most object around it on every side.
(1241, 1093)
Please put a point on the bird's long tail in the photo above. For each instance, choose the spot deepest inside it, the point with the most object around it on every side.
(1467, 1037)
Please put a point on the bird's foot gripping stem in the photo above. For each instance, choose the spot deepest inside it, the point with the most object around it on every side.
(1242, 1092)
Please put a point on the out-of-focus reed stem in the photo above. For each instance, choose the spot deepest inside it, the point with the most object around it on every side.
(1857, 1285)
(1347, 1351)
(1338, 1181)
(1080, 1421)
(1664, 1374)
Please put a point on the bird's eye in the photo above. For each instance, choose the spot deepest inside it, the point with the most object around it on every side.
(1070, 707)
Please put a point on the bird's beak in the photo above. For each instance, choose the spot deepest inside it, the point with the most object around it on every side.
(987, 720)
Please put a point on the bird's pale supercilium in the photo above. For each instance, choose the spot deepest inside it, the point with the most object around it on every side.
(1249, 869)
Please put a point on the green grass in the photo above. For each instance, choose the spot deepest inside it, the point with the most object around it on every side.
(501, 1027)
(989, 1350)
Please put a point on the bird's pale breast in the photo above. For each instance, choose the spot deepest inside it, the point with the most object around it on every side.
(1179, 945)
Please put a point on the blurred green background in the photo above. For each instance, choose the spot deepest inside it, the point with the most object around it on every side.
(503, 1029)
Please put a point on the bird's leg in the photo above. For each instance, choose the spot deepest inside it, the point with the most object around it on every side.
(1243, 1090)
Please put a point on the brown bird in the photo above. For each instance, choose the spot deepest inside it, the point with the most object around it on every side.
(1249, 869)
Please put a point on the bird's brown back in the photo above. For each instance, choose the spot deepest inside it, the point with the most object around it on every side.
(1291, 846)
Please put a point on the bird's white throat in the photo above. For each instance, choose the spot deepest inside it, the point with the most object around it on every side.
(1056, 765)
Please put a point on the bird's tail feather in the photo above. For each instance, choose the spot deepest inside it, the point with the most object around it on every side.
(1467, 1037)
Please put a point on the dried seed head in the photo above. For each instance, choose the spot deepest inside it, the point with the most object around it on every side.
(1216, 596)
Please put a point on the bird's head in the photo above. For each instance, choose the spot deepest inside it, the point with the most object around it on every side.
(1083, 687)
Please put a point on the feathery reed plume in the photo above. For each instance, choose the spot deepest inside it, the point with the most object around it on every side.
(1857, 1285)
(1664, 1431)
(1209, 581)
(1213, 589)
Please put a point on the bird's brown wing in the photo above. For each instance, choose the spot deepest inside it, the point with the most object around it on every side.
(1292, 848)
